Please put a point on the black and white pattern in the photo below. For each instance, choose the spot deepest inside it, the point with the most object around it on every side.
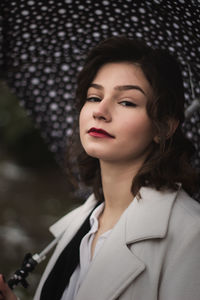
(44, 43)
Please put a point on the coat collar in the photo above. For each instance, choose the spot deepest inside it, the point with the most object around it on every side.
(149, 215)
(115, 266)
(153, 205)
(74, 219)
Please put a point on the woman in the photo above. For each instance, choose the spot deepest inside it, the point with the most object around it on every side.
(138, 235)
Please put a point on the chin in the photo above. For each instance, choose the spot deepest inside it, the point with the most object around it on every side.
(94, 154)
(97, 154)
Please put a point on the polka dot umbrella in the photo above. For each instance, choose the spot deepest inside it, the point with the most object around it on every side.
(44, 43)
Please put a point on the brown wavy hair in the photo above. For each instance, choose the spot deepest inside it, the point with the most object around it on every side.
(169, 160)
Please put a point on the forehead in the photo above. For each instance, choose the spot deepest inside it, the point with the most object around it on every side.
(122, 73)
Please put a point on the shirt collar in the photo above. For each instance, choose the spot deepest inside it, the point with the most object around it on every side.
(95, 215)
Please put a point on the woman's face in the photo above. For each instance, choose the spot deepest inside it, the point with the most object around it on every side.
(114, 125)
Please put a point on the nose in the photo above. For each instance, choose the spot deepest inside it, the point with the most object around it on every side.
(102, 111)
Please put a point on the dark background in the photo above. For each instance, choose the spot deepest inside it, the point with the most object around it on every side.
(34, 190)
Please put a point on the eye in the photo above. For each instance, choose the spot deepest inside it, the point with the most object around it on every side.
(93, 99)
(127, 103)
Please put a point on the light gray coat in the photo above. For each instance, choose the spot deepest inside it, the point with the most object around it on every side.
(153, 252)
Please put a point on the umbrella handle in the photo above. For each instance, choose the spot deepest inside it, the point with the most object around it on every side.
(28, 265)
(20, 275)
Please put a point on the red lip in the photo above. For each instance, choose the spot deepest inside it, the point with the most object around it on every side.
(98, 132)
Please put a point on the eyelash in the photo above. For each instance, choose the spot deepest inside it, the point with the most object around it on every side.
(128, 103)
(123, 103)
(93, 99)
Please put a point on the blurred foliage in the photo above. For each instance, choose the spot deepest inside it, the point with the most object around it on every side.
(12, 118)
(19, 138)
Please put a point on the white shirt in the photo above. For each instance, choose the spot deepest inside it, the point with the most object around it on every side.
(85, 255)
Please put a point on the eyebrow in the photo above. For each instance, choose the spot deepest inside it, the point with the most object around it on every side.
(120, 87)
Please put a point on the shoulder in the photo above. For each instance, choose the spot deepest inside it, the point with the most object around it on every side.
(181, 263)
(186, 209)
(161, 214)
(184, 222)
(75, 216)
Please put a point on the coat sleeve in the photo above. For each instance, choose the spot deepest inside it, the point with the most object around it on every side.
(181, 274)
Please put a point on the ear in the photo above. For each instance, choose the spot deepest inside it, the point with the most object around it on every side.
(172, 125)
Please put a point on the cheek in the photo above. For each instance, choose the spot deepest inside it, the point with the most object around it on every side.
(83, 121)
(82, 118)
(140, 128)
(85, 111)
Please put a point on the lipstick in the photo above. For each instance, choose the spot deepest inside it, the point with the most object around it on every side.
(100, 133)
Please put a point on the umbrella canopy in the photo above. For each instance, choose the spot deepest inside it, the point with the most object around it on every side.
(44, 44)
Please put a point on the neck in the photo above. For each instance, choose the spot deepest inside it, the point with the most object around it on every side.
(116, 183)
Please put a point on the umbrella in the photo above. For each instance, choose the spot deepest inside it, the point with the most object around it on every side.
(44, 44)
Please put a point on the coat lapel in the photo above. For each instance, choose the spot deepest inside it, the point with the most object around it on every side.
(115, 266)
(69, 224)
(149, 216)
